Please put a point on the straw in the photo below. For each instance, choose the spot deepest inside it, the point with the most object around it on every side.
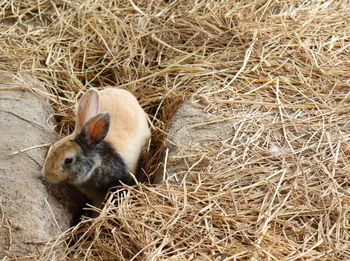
(277, 71)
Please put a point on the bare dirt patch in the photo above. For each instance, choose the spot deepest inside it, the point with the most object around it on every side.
(32, 211)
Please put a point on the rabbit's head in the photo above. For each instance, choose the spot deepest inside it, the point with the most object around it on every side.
(74, 158)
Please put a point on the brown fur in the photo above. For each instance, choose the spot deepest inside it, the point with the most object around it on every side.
(57, 154)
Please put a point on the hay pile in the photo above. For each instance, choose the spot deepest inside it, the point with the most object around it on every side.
(278, 70)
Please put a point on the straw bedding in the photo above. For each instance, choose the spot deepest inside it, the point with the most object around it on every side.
(278, 71)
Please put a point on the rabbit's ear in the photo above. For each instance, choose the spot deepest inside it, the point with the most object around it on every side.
(94, 131)
(88, 107)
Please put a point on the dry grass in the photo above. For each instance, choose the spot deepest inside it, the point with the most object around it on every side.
(277, 70)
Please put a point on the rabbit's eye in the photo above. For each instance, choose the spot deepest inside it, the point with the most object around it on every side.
(68, 161)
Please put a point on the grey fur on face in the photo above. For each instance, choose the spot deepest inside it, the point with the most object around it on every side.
(80, 169)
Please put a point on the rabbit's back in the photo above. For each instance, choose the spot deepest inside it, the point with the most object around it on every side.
(129, 129)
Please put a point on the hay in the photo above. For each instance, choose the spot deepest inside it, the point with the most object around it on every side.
(278, 70)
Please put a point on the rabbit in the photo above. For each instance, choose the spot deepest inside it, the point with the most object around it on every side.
(110, 132)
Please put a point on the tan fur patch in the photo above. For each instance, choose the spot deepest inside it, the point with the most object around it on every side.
(62, 149)
(129, 130)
